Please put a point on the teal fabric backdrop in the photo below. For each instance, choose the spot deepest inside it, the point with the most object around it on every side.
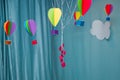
(21, 60)
(87, 58)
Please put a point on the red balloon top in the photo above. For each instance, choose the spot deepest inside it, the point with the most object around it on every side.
(108, 9)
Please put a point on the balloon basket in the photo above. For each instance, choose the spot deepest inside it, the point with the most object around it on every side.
(34, 42)
(54, 32)
(79, 23)
(7, 42)
(107, 18)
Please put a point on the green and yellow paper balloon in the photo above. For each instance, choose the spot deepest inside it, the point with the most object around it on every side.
(54, 15)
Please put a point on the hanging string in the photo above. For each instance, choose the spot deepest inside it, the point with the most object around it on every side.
(53, 3)
(70, 18)
(62, 27)
(57, 3)
(67, 17)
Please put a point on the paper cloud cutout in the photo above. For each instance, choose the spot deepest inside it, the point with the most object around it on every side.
(100, 30)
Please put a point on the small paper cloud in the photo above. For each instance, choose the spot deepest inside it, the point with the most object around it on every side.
(100, 30)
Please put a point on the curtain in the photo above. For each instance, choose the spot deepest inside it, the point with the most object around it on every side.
(87, 58)
(21, 60)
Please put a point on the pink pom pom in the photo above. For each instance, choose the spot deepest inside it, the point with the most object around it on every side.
(61, 58)
(63, 52)
(61, 47)
(63, 64)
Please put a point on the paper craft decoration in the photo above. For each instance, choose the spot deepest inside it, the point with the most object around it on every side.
(9, 28)
(77, 15)
(54, 15)
(61, 57)
(100, 30)
(83, 6)
(30, 27)
(79, 23)
(108, 11)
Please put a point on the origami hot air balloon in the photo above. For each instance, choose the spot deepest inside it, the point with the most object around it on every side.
(54, 15)
(108, 10)
(9, 28)
(77, 15)
(83, 6)
(30, 27)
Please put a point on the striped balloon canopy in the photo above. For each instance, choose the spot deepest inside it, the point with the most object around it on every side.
(108, 9)
(30, 27)
(54, 15)
(77, 15)
(84, 6)
(9, 27)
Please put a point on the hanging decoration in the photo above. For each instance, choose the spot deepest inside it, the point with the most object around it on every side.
(30, 27)
(54, 15)
(83, 7)
(61, 57)
(108, 10)
(9, 28)
(66, 6)
(77, 15)
(102, 30)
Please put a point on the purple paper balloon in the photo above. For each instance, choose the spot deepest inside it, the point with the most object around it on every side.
(13, 28)
(32, 26)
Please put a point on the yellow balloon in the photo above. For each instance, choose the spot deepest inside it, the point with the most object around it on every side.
(77, 15)
(54, 15)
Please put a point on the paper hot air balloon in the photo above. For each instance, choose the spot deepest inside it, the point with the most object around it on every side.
(108, 10)
(54, 15)
(83, 6)
(77, 15)
(30, 27)
(9, 28)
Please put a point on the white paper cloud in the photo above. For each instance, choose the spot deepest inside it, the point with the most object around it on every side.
(100, 30)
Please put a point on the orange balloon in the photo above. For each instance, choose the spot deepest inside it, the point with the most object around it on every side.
(6, 26)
